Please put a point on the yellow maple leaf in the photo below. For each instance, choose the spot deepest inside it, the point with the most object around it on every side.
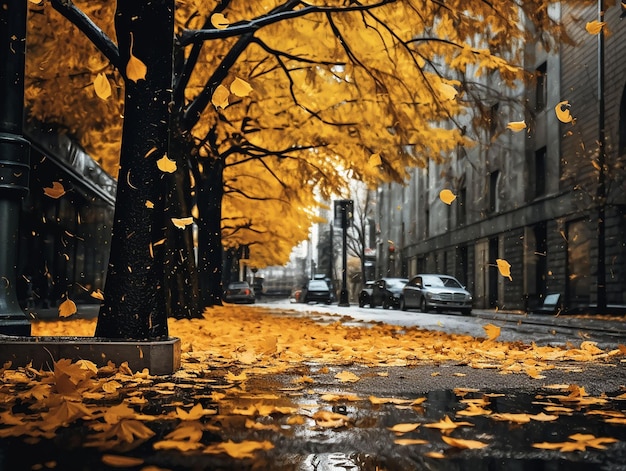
(195, 413)
(189, 431)
(504, 268)
(240, 87)
(463, 444)
(166, 165)
(219, 21)
(403, 428)
(329, 419)
(241, 450)
(220, 97)
(67, 308)
(181, 223)
(594, 27)
(493, 331)
(516, 126)
(55, 191)
(563, 114)
(510, 417)
(446, 424)
(102, 86)
(135, 69)
(447, 196)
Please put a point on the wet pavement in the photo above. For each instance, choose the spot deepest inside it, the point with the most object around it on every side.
(446, 416)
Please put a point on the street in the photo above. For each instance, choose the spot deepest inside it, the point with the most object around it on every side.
(543, 329)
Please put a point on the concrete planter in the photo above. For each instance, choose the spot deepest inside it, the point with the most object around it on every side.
(160, 357)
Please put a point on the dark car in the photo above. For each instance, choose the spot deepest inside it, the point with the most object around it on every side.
(239, 292)
(366, 294)
(316, 291)
(439, 292)
(386, 292)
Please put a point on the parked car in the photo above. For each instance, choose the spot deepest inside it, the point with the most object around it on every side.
(386, 292)
(439, 292)
(316, 291)
(239, 292)
(366, 294)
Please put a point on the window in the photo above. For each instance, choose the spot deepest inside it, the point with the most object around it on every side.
(541, 87)
(461, 207)
(494, 180)
(540, 172)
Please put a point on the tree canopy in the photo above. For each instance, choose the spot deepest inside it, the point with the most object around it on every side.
(337, 89)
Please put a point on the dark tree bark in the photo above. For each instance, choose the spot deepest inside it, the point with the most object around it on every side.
(210, 192)
(135, 300)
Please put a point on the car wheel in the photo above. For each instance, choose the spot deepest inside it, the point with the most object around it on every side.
(423, 305)
(361, 303)
(386, 304)
(402, 304)
(466, 312)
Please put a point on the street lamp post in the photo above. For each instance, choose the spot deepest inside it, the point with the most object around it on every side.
(343, 217)
(14, 160)
(601, 190)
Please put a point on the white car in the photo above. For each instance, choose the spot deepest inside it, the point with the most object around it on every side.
(438, 292)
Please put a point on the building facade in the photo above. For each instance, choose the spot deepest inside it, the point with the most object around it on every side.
(533, 198)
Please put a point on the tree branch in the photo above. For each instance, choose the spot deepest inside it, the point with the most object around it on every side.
(93, 32)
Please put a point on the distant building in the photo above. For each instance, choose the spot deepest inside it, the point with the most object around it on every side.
(527, 197)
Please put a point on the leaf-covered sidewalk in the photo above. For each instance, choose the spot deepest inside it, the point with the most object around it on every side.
(259, 387)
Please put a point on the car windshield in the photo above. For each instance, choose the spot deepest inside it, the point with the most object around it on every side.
(318, 285)
(441, 281)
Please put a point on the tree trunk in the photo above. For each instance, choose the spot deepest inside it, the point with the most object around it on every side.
(181, 274)
(210, 192)
(134, 306)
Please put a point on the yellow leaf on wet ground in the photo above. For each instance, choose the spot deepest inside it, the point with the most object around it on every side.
(464, 444)
(410, 441)
(447, 424)
(119, 461)
(403, 428)
(347, 377)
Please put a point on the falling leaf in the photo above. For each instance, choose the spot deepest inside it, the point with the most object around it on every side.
(347, 377)
(463, 444)
(97, 294)
(219, 21)
(181, 223)
(102, 86)
(594, 27)
(166, 165)
(240, 87)
(516, 126)
(563, 114)
(149, 204)
(135, 69)
(493, 331)
(55, 191)
(447, 196)
(504, 268)
(67, 308)
(220, 97)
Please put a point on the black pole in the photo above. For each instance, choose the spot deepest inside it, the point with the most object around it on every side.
(343, 211)
(14, 159)
(601, 193)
